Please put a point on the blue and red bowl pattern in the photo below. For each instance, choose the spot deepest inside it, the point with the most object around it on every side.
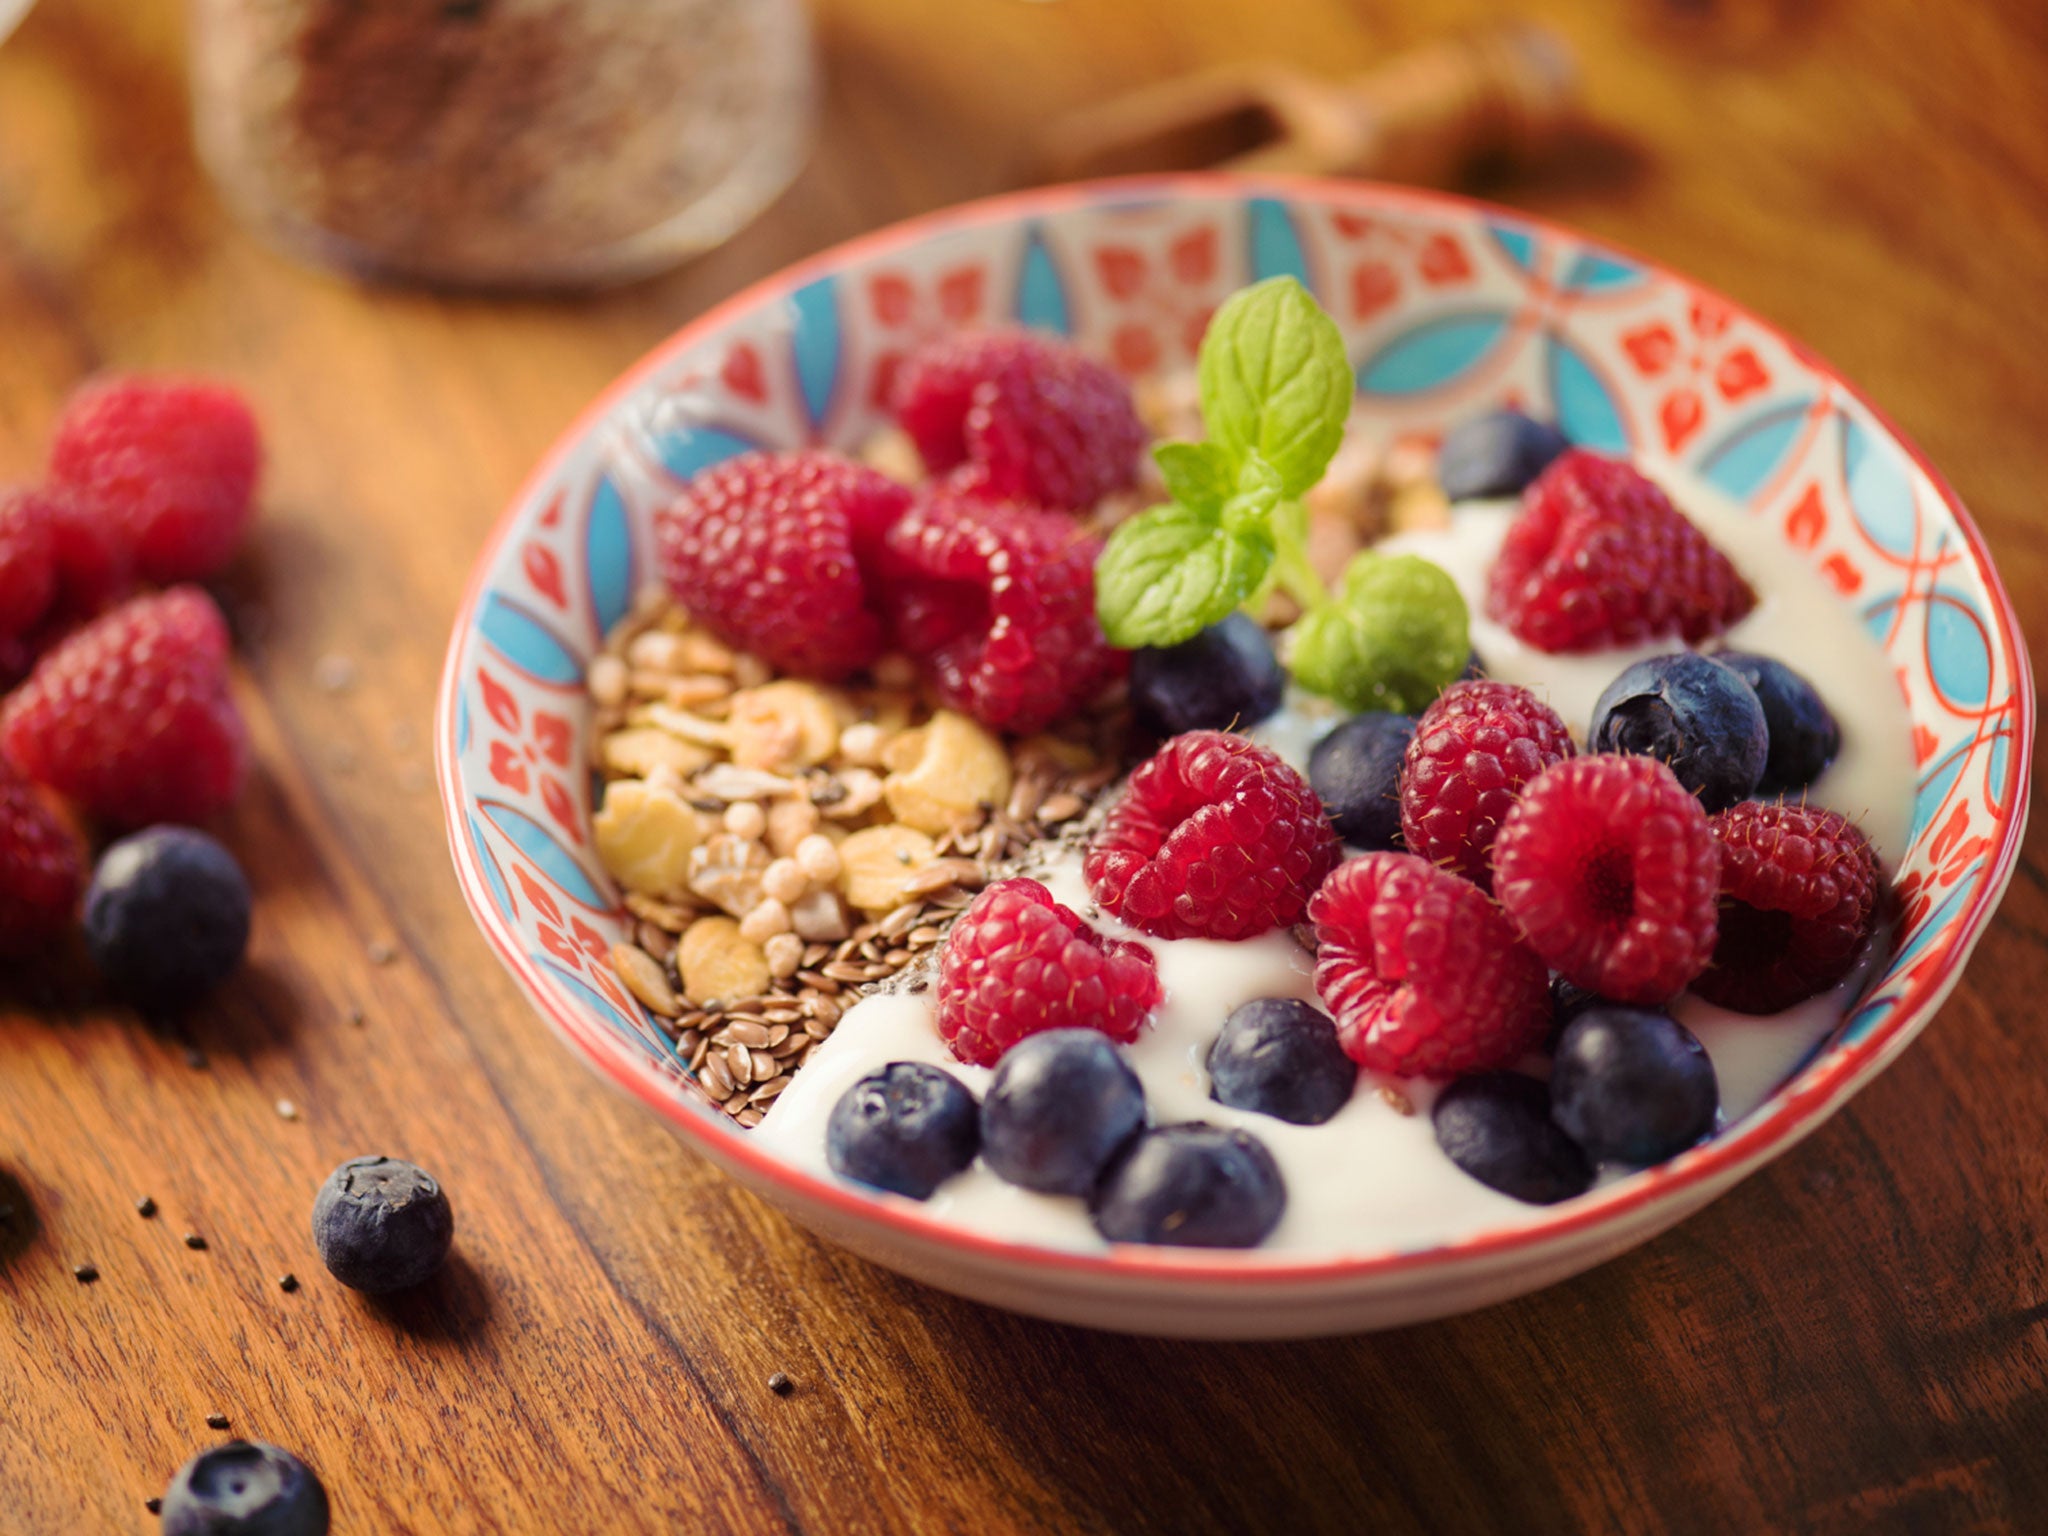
(1447, 308)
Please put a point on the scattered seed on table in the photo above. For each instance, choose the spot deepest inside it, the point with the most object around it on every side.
(780, 1384)
(287, 1110)
(194, 1241)
(154, 1505)
(216, 1421)
(355, 1017)
(382, 953)
(86, 1273)
(145, 1207)
(287, 1283)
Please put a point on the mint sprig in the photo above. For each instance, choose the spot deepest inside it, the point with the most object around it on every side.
(1276, 393)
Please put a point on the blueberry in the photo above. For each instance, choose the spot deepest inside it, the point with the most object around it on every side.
(245, 1489)
(1632, 1085)
(1696, 715)
(1226, 678)
(1496, 454)
(382, 1224)
(1567, 1001)
(1194, 1185)
(1803, 735)
(906, 1127)
(1060, 1106)
(167, 917)
(1279, 1056)
(1356, 773)
(1497, 1127)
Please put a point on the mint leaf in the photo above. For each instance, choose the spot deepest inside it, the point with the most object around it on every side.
(1396, 635)
(1274, 381)
(1197, 474)
(1168, 574)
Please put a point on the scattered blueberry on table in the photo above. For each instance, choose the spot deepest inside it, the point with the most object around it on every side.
(906, 1128)
(1225, 678)
(1195, 1185)
(1497, 1127)
(1804, 736)
(1280, 1056)
(1496, 454)
(1060, 1106)
(382, 1224)
(1356, 772)
(245, 1488)
(167, 916)
(1693, 714)
(1632, 1085)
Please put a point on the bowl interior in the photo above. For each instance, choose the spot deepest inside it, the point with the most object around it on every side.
(1447, 308)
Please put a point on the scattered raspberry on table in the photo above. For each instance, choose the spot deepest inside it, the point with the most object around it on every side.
(172, 460)
(1019, 963)
(1215, 837)
(131, 716)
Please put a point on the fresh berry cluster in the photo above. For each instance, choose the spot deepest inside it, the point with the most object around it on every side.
(120, 707)
(819, 564)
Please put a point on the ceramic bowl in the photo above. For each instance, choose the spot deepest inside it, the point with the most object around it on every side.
(1447, 307)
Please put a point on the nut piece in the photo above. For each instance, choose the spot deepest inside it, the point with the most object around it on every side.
(959, 770)
(819, 918)
(767, 919)
(860, 791)
(716, 963)
(606, 680)
(643, 977)
(785, 952)
(877, 862)
(637, 752)
(646, 837)
(783, 726)
(790, 821)
(726, 871)
(818, 858)
(860, 743)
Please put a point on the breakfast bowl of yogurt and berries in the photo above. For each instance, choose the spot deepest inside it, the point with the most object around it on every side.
(1235, 758)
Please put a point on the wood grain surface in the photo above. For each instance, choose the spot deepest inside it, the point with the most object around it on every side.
(1854, 1340)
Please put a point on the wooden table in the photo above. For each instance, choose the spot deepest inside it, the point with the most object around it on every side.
(1856, 1339)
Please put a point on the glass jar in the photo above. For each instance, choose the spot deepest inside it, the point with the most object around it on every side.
(501, 143)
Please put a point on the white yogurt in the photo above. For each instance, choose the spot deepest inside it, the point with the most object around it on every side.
(1372, 1178)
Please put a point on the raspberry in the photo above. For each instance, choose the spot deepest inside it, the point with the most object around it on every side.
(131, 716)
(1474, 749)
(28, 572)
(1423, 973)
(91, 555)
(1035, 418)
(174, 462)
(41, 873)
(1018, 963)
(766, 550)
(1799, 896)
(1599, 557)
(1215, 838)
(998, 601)
(1609, 868)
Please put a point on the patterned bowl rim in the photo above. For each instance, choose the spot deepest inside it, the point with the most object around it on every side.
(1778, 1124)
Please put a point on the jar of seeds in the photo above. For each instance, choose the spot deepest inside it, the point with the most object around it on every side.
(501, 143)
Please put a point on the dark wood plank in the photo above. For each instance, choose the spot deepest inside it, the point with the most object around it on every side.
(1856, 1339)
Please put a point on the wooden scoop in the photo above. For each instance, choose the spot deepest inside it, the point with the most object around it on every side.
(1425, 117)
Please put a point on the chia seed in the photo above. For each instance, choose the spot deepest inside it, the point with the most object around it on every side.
(780, 1384)
(86, 1273)
(216, 1421)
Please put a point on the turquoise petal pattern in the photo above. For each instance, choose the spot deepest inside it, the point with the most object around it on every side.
(526, 642)
(1275, 247)
(1585, 410)
(608, 551)
(1598, 272)
(1041, 296)
(548, 855)
(1958, 650)
(815, 337)
(689, 449)
(1742, 461)
(1433, 354)
(1878, 489)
